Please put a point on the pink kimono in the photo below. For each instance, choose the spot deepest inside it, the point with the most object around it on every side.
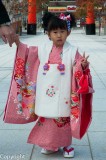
(21, 102)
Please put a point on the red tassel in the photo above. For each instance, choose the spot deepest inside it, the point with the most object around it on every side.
(83, 83)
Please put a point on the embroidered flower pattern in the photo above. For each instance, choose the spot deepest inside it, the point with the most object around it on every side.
(78, 74)
(74, 99)
(61, 68)
(24, 90)
(19, 68)
(51, 91)
(67, 101)
(62, 121)
(46, 68)
(75, 111)
(41, 121)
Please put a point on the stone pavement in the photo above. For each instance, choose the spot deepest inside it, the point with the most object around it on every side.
(13, 138)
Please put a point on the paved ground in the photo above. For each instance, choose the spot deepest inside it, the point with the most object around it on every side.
(93, 145)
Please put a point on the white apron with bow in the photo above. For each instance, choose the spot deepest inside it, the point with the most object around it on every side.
(53, 89)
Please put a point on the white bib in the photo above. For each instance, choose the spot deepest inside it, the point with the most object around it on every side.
(53, 89)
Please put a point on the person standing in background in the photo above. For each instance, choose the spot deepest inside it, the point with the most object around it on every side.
(7, 32)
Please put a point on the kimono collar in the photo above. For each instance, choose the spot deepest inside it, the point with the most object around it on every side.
(66, 46)
(50, 45)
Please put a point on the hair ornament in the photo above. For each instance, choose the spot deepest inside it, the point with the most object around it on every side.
(64, 17)
(68, 19)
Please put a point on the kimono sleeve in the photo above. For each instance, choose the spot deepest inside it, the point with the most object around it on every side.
(76, 54)
(21, 98)
(81, 98)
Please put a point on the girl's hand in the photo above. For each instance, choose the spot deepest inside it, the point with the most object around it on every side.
(17, 41)
(84, 62)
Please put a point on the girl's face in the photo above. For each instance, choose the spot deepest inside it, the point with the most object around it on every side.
(58, 36)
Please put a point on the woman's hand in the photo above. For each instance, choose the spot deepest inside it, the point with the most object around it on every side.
(7, 34)
(84, 62)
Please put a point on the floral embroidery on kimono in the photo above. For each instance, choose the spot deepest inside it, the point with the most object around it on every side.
(41, 120)
(81, 98)
(22, 93)
(75, 109)
(62, 121)
(51, 91)
(21, 98)
(24, 90)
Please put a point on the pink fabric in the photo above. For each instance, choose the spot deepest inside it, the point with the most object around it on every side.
(81, 99)
(55, 57)
(46, 133)
(51, 134)
(25, 71)
(23, 87)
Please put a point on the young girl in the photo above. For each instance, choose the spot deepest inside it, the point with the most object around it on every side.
(53, 80)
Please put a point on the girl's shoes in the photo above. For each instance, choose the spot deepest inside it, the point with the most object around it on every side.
(45, 151)
(68, 153)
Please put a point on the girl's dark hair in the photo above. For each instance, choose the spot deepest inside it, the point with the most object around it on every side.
(52, 22)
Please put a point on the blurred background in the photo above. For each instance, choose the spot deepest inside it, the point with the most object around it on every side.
(21, 18)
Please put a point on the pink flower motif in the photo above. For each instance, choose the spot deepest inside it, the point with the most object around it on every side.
(66, 102)
(46, 67)
(62, 121)
(75, 98)
(75, 111)
(78, 74)
(61, 68)
(42, 119)
(63, 17)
